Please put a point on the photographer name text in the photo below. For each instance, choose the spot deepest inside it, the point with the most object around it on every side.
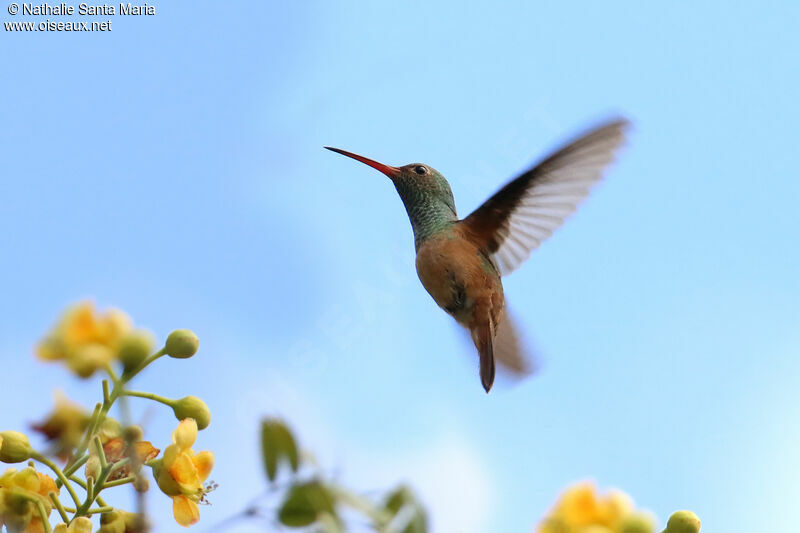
(88, 9)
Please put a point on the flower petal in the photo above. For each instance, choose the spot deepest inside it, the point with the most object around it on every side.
(184, 472)
(185, 434)
(50, 349)
(47, 485)
(114, 325)
(34, 526)
(145, 451)
(579, 506)
(170, 454)
(204, 462)
(615, 506)
(185, 510)
(80, 324)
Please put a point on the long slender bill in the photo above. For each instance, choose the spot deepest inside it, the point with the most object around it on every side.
(392, 172)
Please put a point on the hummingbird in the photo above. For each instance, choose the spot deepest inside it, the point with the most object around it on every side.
(460, 262)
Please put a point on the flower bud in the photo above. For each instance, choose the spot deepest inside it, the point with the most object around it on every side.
(141, 484)
(683, 522)
(14, 447)
(134, 349)
(637, 522)
(181, 344)
(133, 433)
(80, 525)
(118, 521)
(112, 522)
(93, 468)
(193, 407)
(17, 510)
(110, 517)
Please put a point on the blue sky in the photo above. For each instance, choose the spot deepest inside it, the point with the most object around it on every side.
(174, 168)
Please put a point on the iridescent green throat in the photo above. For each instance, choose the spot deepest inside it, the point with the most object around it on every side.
(429, 211)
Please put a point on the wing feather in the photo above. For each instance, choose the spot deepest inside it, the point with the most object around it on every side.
(521, 215)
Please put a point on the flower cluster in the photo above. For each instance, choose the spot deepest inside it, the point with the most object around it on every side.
(97, 452)
(25, 499)
(85, 340)
(581, 509)
(111, 452)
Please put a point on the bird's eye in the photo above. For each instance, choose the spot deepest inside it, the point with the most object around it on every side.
(419, 169)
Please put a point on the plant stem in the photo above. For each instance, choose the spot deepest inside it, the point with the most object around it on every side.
(101, 453)
(149, 396)
(146, 362)
(98, 417)
(45, 520)
(82, 508)
(378, 515)
(118, 482)
(98, 510)
(78, 481)
(113, 375)
(119, 464)
(82, 484)
(54, 467)
(59, 507)
(71, 470)
(72, 465)
(101, 411)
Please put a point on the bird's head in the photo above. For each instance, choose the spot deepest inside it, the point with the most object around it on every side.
(413, 181)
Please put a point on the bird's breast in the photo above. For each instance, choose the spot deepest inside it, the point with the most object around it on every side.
(458, 275)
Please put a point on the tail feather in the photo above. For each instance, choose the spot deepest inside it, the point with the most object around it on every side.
(483, 336)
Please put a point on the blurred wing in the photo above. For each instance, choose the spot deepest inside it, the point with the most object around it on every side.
(512, 353)
(516, 356)
(525, 212)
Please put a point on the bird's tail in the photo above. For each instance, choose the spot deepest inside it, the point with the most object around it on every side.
(510, 349)
(483, 337)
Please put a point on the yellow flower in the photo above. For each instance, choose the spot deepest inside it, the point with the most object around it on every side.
(582, 510)
(79, 525)
(19, 490)
(116, 450)
(84, 339)
(119, 521)
(64, 426)
(182, 472)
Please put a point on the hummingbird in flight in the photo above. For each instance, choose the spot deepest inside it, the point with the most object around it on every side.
(460, 262)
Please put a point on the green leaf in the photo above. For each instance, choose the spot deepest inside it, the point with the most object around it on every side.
(269, 449)
(402, 497)
(277, 445)
(396, 499)
(287, 445)
(305, 503)
(418, 522)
